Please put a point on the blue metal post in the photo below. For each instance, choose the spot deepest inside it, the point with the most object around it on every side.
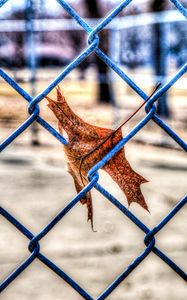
(30, 55)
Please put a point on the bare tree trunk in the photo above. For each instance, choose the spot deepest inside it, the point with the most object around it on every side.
(105, 94)
(160, 55)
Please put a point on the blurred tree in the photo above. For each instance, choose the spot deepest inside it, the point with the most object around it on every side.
(105, 93)
(132, 40)
(77, 38)
(179, 42)
(160, 54)
(18, 60)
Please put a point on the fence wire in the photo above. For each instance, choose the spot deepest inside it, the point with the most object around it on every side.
(34, 111)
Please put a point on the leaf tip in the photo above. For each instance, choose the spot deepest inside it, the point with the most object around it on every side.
(51, 103)
(144, 181)
(60, 96)
(92, 225)
(146, 208)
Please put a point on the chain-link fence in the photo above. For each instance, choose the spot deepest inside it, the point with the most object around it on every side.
(34, 111)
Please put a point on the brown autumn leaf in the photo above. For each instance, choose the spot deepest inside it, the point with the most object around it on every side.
(87, 145)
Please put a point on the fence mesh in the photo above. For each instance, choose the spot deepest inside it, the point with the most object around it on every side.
(34, 111)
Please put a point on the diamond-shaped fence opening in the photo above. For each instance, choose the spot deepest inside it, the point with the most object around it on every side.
(33, 109)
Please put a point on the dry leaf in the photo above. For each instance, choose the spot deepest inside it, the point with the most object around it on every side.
(87, 145)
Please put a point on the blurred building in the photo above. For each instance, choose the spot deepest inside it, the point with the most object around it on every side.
(59, 47)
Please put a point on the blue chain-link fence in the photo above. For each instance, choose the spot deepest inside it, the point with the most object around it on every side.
(33, 108)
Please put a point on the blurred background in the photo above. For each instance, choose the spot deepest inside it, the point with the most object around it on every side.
(147, 40)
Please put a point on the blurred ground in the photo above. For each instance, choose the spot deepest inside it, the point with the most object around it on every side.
(35, 186)
(81, 95)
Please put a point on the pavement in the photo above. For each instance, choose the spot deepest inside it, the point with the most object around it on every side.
(35, 186)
